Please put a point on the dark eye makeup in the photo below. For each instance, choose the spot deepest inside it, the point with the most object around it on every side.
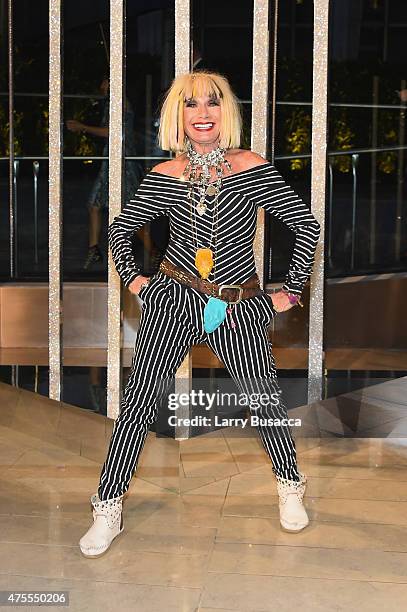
(191, 102)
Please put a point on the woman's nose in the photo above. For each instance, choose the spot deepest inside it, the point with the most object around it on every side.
(204, 111)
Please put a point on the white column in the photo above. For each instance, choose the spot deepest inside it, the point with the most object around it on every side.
(115, 319)
(260, 79)
(318, 187)
(182, 65)
(55, 199)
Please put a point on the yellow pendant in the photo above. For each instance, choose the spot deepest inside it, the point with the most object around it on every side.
(204, 262)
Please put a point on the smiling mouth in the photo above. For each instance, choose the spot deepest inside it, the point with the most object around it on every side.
(203, 127)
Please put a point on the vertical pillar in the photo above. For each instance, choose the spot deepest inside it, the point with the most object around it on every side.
(114, 302)
(182, 36)
(182, 65)
(318, 187)
(260, 79)
(274, 82)
(55, 302)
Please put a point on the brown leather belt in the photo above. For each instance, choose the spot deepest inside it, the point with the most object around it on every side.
(228, 293)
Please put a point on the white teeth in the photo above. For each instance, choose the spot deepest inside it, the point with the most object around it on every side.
(202, 125)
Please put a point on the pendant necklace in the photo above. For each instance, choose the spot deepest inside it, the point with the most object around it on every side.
(197, 173)
(204, 257)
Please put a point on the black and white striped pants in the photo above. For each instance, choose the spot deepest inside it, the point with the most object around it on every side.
(171, 322)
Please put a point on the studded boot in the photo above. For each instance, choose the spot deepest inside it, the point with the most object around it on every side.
(107, 525)
(293, 516)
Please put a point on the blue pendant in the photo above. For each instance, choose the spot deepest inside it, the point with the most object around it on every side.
(214, 314)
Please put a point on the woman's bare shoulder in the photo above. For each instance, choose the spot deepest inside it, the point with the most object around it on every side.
(244, 159)
(172, 167)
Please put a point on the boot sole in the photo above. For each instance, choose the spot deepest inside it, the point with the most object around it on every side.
(105, 551)
(293, 530)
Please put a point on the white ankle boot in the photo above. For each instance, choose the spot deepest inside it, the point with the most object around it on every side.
(293, 516)
(107, 525)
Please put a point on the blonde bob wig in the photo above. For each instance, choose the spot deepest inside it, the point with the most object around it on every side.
(171, 135)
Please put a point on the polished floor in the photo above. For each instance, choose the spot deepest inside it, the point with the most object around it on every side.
(201, 517)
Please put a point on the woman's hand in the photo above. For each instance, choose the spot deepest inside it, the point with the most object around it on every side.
(280, 301)
(74, 126)
(136, 285)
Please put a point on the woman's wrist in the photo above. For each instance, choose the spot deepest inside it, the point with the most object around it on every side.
(293, 297)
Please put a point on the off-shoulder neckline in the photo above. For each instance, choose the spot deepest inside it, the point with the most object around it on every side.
(176, 178)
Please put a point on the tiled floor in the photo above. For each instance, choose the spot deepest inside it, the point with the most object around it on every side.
(201, 517)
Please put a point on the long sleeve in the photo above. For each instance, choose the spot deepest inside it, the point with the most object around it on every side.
(146, 205)
(273, 194)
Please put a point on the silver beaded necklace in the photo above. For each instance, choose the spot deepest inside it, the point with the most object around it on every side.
(198, 173)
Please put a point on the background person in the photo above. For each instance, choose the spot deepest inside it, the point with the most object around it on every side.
(98, 200)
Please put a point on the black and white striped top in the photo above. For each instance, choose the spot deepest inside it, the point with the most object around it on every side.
(240, 196)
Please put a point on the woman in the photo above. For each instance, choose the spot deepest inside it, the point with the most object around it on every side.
(99, 196)
(206, 289)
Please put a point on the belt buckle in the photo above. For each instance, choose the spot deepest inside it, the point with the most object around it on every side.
(221, 287)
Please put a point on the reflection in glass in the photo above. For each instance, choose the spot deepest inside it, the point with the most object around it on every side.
(4, 221)
(86, 387)
(366, 197)
(220, 25)
(98, 199)
(292, 122)
(365, 233)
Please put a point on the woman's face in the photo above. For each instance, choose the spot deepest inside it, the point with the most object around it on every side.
(202, 119)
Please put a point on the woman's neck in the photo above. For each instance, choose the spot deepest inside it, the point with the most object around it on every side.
(203, 148)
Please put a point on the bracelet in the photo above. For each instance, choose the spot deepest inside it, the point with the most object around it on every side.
(293, 298)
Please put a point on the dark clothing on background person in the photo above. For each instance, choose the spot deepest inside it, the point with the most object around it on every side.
(133, 174)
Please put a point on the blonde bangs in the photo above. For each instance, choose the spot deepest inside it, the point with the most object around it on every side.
(171, 135)
(200, 85)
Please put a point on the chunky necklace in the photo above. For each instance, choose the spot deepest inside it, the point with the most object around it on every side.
(197, 173)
